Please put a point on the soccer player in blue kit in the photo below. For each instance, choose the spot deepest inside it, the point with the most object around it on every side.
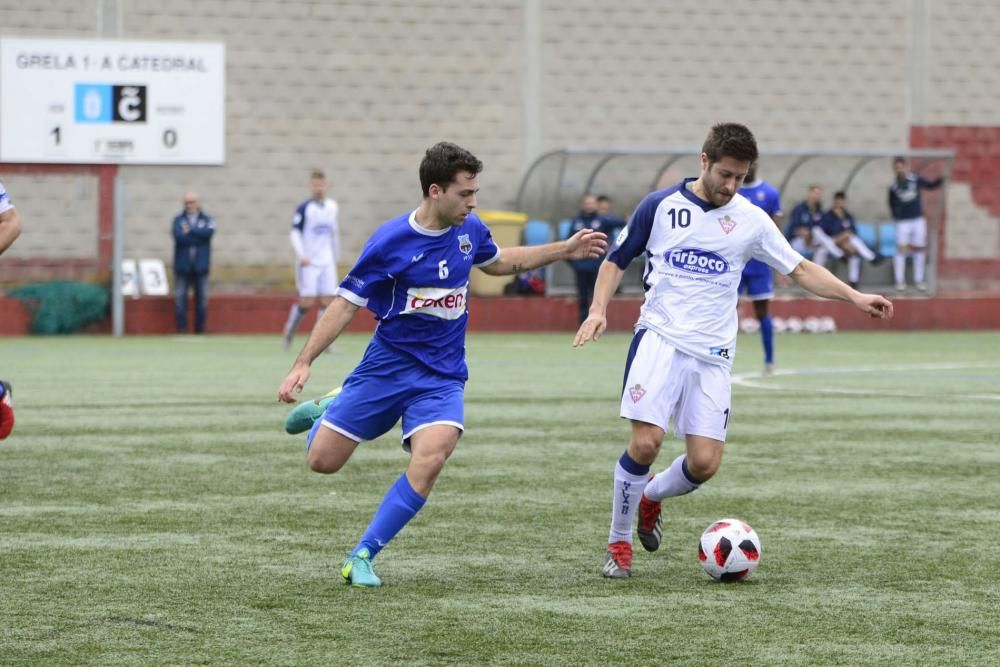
(413, 274)
(756, 281)
(696, 237)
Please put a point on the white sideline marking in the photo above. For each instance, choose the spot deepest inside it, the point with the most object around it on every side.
(761, 381)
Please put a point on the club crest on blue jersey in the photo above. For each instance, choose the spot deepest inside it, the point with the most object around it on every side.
(464, 244)
(696, 260)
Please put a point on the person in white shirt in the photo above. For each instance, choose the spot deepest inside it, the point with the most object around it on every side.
(315, 238)
(697, 236)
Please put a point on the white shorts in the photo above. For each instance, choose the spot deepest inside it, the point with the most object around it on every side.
(316, 280)
(912, 232)
(663, 383)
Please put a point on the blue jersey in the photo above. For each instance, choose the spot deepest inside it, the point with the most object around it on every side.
(834, 225)
(803, 217)
(416, 282)
(765, 196)
(904, 198)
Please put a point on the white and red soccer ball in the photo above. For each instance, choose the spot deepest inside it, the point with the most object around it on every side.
(729, 550)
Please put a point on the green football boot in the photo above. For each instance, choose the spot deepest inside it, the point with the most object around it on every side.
(305, 414)
(357, 571)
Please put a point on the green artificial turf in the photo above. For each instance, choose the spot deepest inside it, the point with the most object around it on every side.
(153, 512)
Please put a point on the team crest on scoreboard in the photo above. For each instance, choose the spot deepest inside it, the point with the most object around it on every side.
(464, 244)
(727, 224)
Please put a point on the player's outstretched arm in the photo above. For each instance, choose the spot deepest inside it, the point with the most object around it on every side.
(10, 228)
(338, 315)
(608, 278)
(586, 243)
(821, 282)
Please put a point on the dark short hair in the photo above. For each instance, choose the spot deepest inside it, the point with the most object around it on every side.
(317, 173)
(840, 194)
(730, 140)
(603, 198)
(442, 162)
(898, 159)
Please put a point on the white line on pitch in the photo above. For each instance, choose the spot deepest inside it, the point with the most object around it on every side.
(754, 380)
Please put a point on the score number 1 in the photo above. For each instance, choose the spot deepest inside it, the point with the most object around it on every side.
(169, 136)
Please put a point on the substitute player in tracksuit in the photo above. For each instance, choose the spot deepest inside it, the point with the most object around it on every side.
(911, 226)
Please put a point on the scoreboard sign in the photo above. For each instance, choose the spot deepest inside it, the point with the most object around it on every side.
(87, 101)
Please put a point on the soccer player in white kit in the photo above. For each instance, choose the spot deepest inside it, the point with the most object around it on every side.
(10, 229)
(697, 237)
(315, 238)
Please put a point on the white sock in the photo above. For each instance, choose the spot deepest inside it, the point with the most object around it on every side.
(853, 268)
(919, 265)
(862, 249)
(823, 239)
(820, 255)
(899, 268)
(674, 481)
(295, 316)
(628, 489)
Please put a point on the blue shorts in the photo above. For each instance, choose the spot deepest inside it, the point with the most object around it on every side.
(756, 281)
(387, 385)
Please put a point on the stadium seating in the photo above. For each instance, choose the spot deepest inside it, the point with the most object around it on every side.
(887, 239)
(537, 232)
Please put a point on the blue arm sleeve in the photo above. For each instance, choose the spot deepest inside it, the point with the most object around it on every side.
(370, 270)
(486, 248)
(179, 236)
(632, 240)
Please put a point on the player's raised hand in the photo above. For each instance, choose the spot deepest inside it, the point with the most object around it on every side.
(586, 244)
(877, 306)
(294, 382)
(591, 329)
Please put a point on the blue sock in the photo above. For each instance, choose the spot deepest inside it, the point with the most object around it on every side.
(767, 337)
(398, 506)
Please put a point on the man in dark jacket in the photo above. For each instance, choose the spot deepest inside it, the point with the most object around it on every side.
(193, 231)
(586, 269)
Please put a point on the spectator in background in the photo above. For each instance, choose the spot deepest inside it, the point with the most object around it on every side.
(612, 223)
(10, 229)
(315, 239)
(911, 227)
(586, 269)
(756, 281)
(804, 231)
(193, 230)
(839, 225)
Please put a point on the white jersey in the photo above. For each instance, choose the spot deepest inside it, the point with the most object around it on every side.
(315, 232)
(5, 203)
(695, 254)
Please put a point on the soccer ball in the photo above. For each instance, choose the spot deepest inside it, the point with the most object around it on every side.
(729, 550)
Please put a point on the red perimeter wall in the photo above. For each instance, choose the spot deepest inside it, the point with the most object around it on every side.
(244, 314)
(977, 162)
